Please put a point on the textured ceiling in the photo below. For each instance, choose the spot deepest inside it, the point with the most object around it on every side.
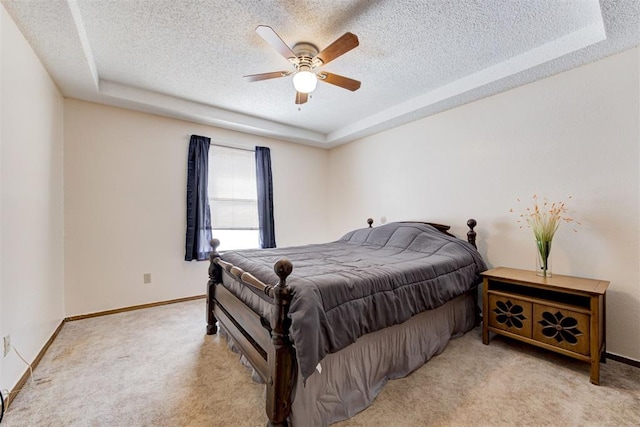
(186, 58)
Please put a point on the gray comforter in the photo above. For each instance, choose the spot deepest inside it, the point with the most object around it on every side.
(369, 279)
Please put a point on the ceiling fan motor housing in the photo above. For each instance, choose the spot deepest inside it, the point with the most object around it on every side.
(305, 52)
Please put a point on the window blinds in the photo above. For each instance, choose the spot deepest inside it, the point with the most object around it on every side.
(232, 189)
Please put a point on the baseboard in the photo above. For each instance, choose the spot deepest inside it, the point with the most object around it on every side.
(131, 308)
(625, 360)
(25, 377)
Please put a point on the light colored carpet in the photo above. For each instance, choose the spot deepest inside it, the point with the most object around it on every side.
(157, 367)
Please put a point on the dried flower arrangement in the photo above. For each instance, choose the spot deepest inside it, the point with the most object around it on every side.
(544, 218)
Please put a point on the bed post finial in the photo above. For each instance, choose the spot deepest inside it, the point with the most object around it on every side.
(471, 235)
(283, 368)
(370, 222)
(283, 269)
(215, 276)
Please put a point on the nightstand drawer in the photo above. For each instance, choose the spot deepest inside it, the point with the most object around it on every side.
(510, 314)
(561, 328)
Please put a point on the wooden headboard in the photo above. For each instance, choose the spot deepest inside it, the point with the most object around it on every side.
(471, 234)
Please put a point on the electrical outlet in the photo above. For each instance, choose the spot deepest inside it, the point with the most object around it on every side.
(147, 278)
(7, 345)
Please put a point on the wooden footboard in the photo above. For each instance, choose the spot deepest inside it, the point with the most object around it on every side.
(267, 346)
(265, 343)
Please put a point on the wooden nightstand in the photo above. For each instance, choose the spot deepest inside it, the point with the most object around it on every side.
(561, 313)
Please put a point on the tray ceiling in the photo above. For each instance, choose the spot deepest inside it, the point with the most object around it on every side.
(186, 58)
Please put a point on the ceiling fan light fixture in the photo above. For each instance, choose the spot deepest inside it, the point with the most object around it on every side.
(305, 81)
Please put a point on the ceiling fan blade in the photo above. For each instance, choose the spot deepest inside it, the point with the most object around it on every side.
(271, 37)
(339, 47)
(343, 82)
(265, 76)
(301, 98)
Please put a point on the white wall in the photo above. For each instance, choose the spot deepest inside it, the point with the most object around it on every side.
(125, 194)
(31, 194)
(576, 133)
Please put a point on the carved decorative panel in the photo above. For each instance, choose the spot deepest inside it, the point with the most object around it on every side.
(510, 314)
(561, 328)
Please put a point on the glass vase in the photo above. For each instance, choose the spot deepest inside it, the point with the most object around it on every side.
(543, 258)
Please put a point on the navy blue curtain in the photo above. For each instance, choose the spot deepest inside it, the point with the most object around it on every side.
(198, 239)
(265, 198)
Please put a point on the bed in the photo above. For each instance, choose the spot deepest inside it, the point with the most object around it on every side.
(371, 306)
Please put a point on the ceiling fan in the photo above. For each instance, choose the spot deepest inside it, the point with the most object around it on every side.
(306, 58)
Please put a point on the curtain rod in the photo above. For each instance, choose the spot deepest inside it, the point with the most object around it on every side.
(228, 146)
(233, 148)
(217, 144)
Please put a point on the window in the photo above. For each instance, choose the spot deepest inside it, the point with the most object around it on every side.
(233, 197)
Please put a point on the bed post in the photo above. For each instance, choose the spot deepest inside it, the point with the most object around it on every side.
(281, 357)
(215, 276)
(471, 235)
(471, 238)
